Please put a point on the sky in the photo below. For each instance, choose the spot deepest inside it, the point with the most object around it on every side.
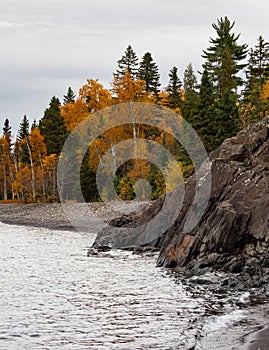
(49, 45)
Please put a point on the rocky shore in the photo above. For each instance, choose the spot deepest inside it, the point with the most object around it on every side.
(233, 233)
(53, 216)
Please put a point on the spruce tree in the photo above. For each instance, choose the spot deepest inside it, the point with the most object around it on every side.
(23, 131)
(128, 62)
(189, 104)
(52, 127)
(205, 122)
(149, 72)
(21, 150)
(69, 97)
(174, 99)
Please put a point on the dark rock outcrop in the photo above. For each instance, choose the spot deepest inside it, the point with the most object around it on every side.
(233, 232)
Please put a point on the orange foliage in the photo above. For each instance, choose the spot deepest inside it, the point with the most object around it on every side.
(128, 89)
(95, 96)
(74, 113)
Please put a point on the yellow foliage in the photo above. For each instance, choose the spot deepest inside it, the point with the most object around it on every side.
(38, 146)
(128, 89)
(265, 91)
(95, 96)
(74, 113)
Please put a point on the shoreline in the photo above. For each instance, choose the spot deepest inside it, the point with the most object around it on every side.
(53, 216)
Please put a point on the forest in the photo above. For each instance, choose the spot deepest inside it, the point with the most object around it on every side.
(230, 92)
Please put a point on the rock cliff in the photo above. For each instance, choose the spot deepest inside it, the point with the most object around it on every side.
(233, 233)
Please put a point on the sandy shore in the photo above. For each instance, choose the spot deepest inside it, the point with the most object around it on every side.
(53, 215)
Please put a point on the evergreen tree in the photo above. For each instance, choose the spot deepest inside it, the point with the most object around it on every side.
(149, 72)
(223, 43)
(254, 107)
(52, 127)
(128, 62)
(88, 180)
(223, 63)
(205, 122)
(23, 131)
(174, 99)
(189, 104)
(258, 65)
(7, 132)
(69, 97)
(21, 149)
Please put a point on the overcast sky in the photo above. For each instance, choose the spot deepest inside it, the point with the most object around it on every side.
(48, 45)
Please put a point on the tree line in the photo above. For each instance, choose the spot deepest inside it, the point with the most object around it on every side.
(233, 91)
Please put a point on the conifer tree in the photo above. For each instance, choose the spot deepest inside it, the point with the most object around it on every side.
(128, 62)
(254, 106)
(224, 45)
(149, 72)
(21, 150)
(205, 122)
(6, 166)
(174, 99)
(258, 65)
(189, 104)
(69, 97)
(23, 129)
(7, 132)
(52, 127)
(223, 63)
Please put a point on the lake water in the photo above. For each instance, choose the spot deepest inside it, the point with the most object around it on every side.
(52, 296)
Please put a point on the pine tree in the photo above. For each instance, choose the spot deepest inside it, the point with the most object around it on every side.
(52, 127)
(149, 72)
(223, 62)
(223, 43)
(69, 97)
(128, 62)
(174, 99)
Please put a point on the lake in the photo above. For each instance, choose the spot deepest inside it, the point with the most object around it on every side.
(52, 296)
